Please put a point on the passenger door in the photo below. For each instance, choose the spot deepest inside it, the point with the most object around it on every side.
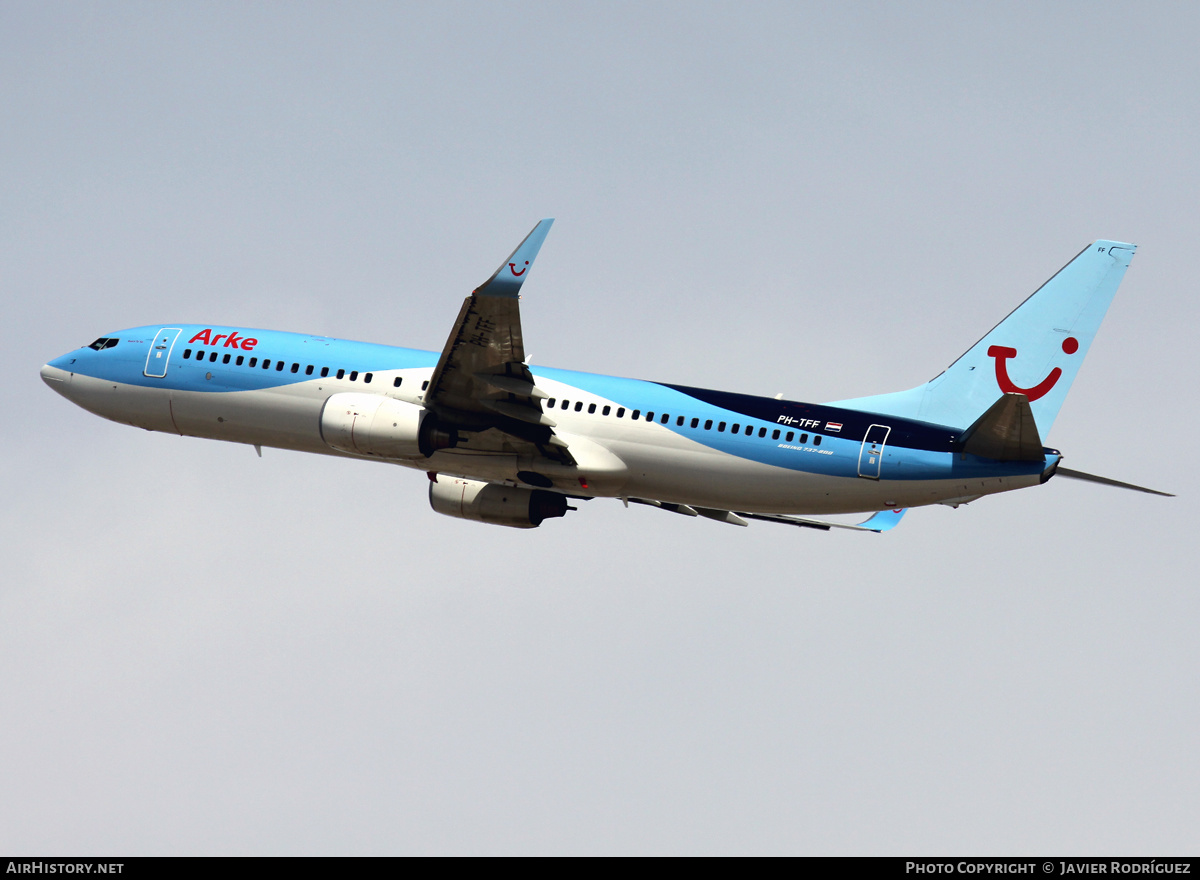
(160, 352)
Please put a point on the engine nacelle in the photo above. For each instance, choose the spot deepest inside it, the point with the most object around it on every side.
(495, 504)
(372, 424)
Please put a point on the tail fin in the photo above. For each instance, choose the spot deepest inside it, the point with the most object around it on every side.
(1036, 351)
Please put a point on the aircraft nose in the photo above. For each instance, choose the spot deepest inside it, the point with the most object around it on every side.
(56, 378)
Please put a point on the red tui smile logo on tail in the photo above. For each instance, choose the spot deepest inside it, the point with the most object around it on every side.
(1002, 353)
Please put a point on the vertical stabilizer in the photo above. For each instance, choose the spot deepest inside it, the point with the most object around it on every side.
(1036, 351)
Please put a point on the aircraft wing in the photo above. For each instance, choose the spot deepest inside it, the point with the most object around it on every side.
(481, 381)
(880, 522)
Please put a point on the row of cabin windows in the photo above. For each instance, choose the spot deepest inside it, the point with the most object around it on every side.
(279, 366)
(665, 419)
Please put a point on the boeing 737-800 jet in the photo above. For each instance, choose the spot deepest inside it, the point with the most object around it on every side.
(508, 444)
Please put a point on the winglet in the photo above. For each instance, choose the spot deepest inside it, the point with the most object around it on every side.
(507, 280)
(884, 520)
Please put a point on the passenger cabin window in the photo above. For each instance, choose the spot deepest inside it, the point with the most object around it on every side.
(266, 364)
(606, 410)
(762, 432)
(212, 358)
(295, 368)
(424, 384)
(354, 375)
(790, 435)
(721, 426)
(736, 427)
(775, 434)
(665, 418)
(620, 411)
(341, 373)
(239, 360)
(649, 416)
(187, 353)
(591, 408)
(395, 382)
(634, 415)
(578, 405)
(749, 430)
(254, 362)
(367, 378)
(708, 424)
(679, 422)
(565, 404)
(225, 359)
(803, 437)
(324, 372)
(816, 440)
(279, 365)
(308, 370)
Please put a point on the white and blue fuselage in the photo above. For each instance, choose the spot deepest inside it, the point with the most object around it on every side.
(506, 444)
(630, 438)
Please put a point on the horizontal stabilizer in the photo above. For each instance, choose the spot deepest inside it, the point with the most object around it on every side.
(1092, 478)
(1006, 432)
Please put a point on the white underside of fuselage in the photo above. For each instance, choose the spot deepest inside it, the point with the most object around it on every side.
(616, 459)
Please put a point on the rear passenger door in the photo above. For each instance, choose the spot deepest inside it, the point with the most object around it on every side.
(870, 456)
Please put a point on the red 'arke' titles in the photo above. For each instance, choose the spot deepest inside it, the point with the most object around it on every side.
(232, 340)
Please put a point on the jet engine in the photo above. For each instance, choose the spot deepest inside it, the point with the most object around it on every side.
(372, 424)
(495, 504)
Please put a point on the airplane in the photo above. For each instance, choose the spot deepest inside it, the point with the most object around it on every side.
(505, 443)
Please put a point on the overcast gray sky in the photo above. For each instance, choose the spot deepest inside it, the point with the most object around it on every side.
(205, 652)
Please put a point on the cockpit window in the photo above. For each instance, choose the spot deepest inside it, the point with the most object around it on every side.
(104, 342)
